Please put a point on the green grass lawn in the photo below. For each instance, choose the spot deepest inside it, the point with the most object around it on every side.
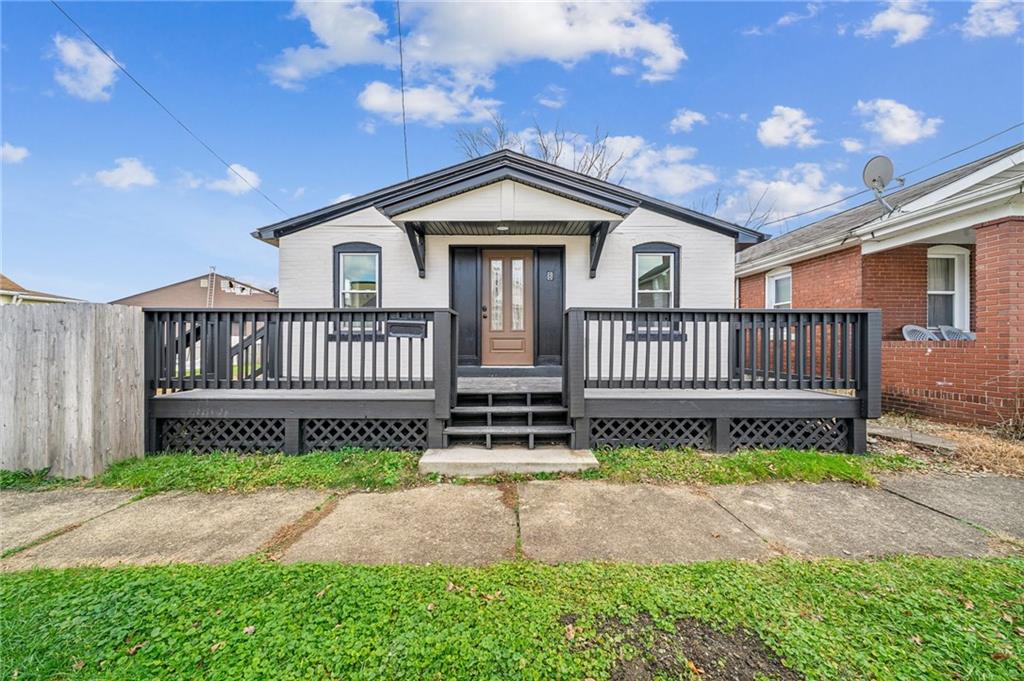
(350, 469)
(906, 618)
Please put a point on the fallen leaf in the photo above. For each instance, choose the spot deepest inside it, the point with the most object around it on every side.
(1007, 617)
(1020, 631)
(969, 605)
(430, 606)
(321, 592)
(450, 587)
(249, 629)
(716, 535)
(77, 666)
(217, 646)
(916, 639)
(570, 632)
(136, 648)
(694, 668)
(999, 656)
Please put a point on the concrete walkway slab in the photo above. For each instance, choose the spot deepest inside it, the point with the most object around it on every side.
(564, 521)
(174, 528)
(480, 461)
(453, 524)
(26, 517)
(839, 519)
(991, 501)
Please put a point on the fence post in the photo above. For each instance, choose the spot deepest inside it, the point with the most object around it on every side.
(576, 362)
(869, 382)
(442, 364)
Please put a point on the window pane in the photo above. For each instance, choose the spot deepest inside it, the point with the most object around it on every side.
(497, 300)
(654, 299)
(517, 295)
(653, 272)
(783, 291)
(940, 310)
(359, 271)
(941, 274)
(359, 300)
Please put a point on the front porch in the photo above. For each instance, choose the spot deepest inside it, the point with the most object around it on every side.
(302, 380)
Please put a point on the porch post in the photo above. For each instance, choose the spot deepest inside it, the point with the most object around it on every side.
(442, 364)
(575, 361)
(869, 382)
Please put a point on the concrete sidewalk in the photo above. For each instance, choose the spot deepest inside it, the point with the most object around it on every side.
(549, 521)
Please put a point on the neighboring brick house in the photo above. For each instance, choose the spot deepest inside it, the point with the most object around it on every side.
(951, 253)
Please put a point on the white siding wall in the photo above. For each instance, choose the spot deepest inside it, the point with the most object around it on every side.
(307, 274)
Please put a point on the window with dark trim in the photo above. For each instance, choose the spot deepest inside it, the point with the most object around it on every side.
(656, 275)
(357, 275)
(655, 285)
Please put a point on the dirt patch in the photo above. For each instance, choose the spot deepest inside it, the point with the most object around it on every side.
(509, 495)
(693, 650)
(289, 534)
(977, 448)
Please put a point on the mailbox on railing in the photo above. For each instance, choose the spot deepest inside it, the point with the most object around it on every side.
(406, 328)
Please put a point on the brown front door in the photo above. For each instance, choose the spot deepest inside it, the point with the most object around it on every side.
(507, 308)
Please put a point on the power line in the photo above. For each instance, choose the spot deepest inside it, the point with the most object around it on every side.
(166, 110)
(401, 76)
(902, 176)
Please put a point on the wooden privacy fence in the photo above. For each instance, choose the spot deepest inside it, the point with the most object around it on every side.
(282, 349)
(71, 397)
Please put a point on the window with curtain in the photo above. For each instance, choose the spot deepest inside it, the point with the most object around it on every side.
(948, 295)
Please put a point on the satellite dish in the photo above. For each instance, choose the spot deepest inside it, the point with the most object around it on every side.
(877, 175)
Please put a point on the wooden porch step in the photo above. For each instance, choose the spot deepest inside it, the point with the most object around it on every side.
(511, 409)
(509, 430)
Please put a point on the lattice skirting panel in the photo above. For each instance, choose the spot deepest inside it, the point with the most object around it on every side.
(823, 434)
(249, 435)
(326, 433)
(655, 433)
(204, 435)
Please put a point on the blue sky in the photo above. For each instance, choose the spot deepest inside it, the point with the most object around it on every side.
(103, 195)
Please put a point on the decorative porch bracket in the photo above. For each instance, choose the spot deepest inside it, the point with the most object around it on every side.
(597, 239)
(418, 241)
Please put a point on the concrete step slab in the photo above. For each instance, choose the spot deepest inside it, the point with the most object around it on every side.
(478, 462)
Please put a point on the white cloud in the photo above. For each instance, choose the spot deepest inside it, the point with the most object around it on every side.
(621, 70)
(553, 97)
(658, 171)
(13, 154)
(343, 197)
(811, 10)
(299, 193)
(908, 19)
(453, 49)
(685, 119)
(429, 104)
(852, 145)
(233, 184)
(992, 18)
(127, 173)
(896, 123)
(347, 33)
(790, 190)
(85, 72)
(787, 126)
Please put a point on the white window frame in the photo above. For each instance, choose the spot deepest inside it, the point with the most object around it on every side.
(671, 291)
(769, 287)
(961, 293)
(341, 279)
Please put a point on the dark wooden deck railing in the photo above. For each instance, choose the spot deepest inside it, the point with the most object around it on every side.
(806, 349)
(284, 349)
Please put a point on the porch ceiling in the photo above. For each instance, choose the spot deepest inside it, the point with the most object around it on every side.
(514, 228)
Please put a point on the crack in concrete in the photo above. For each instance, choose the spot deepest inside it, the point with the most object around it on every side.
(770, 543)
(286, 536)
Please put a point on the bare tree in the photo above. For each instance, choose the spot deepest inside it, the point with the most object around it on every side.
(588, 155)
(756, 216)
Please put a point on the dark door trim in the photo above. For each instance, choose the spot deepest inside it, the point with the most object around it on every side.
(464, 274)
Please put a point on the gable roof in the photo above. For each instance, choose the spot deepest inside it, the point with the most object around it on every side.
(495, 167)
(10, 287)
(839, 227)
(153, 297)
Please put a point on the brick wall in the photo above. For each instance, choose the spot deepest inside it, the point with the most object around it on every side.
(980, 381)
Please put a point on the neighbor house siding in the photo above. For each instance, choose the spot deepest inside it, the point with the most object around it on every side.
(307, 275)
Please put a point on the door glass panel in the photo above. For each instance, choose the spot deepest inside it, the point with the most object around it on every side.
(497, 297)
(518, 295)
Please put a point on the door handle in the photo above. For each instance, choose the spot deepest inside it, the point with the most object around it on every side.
(485, 315)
